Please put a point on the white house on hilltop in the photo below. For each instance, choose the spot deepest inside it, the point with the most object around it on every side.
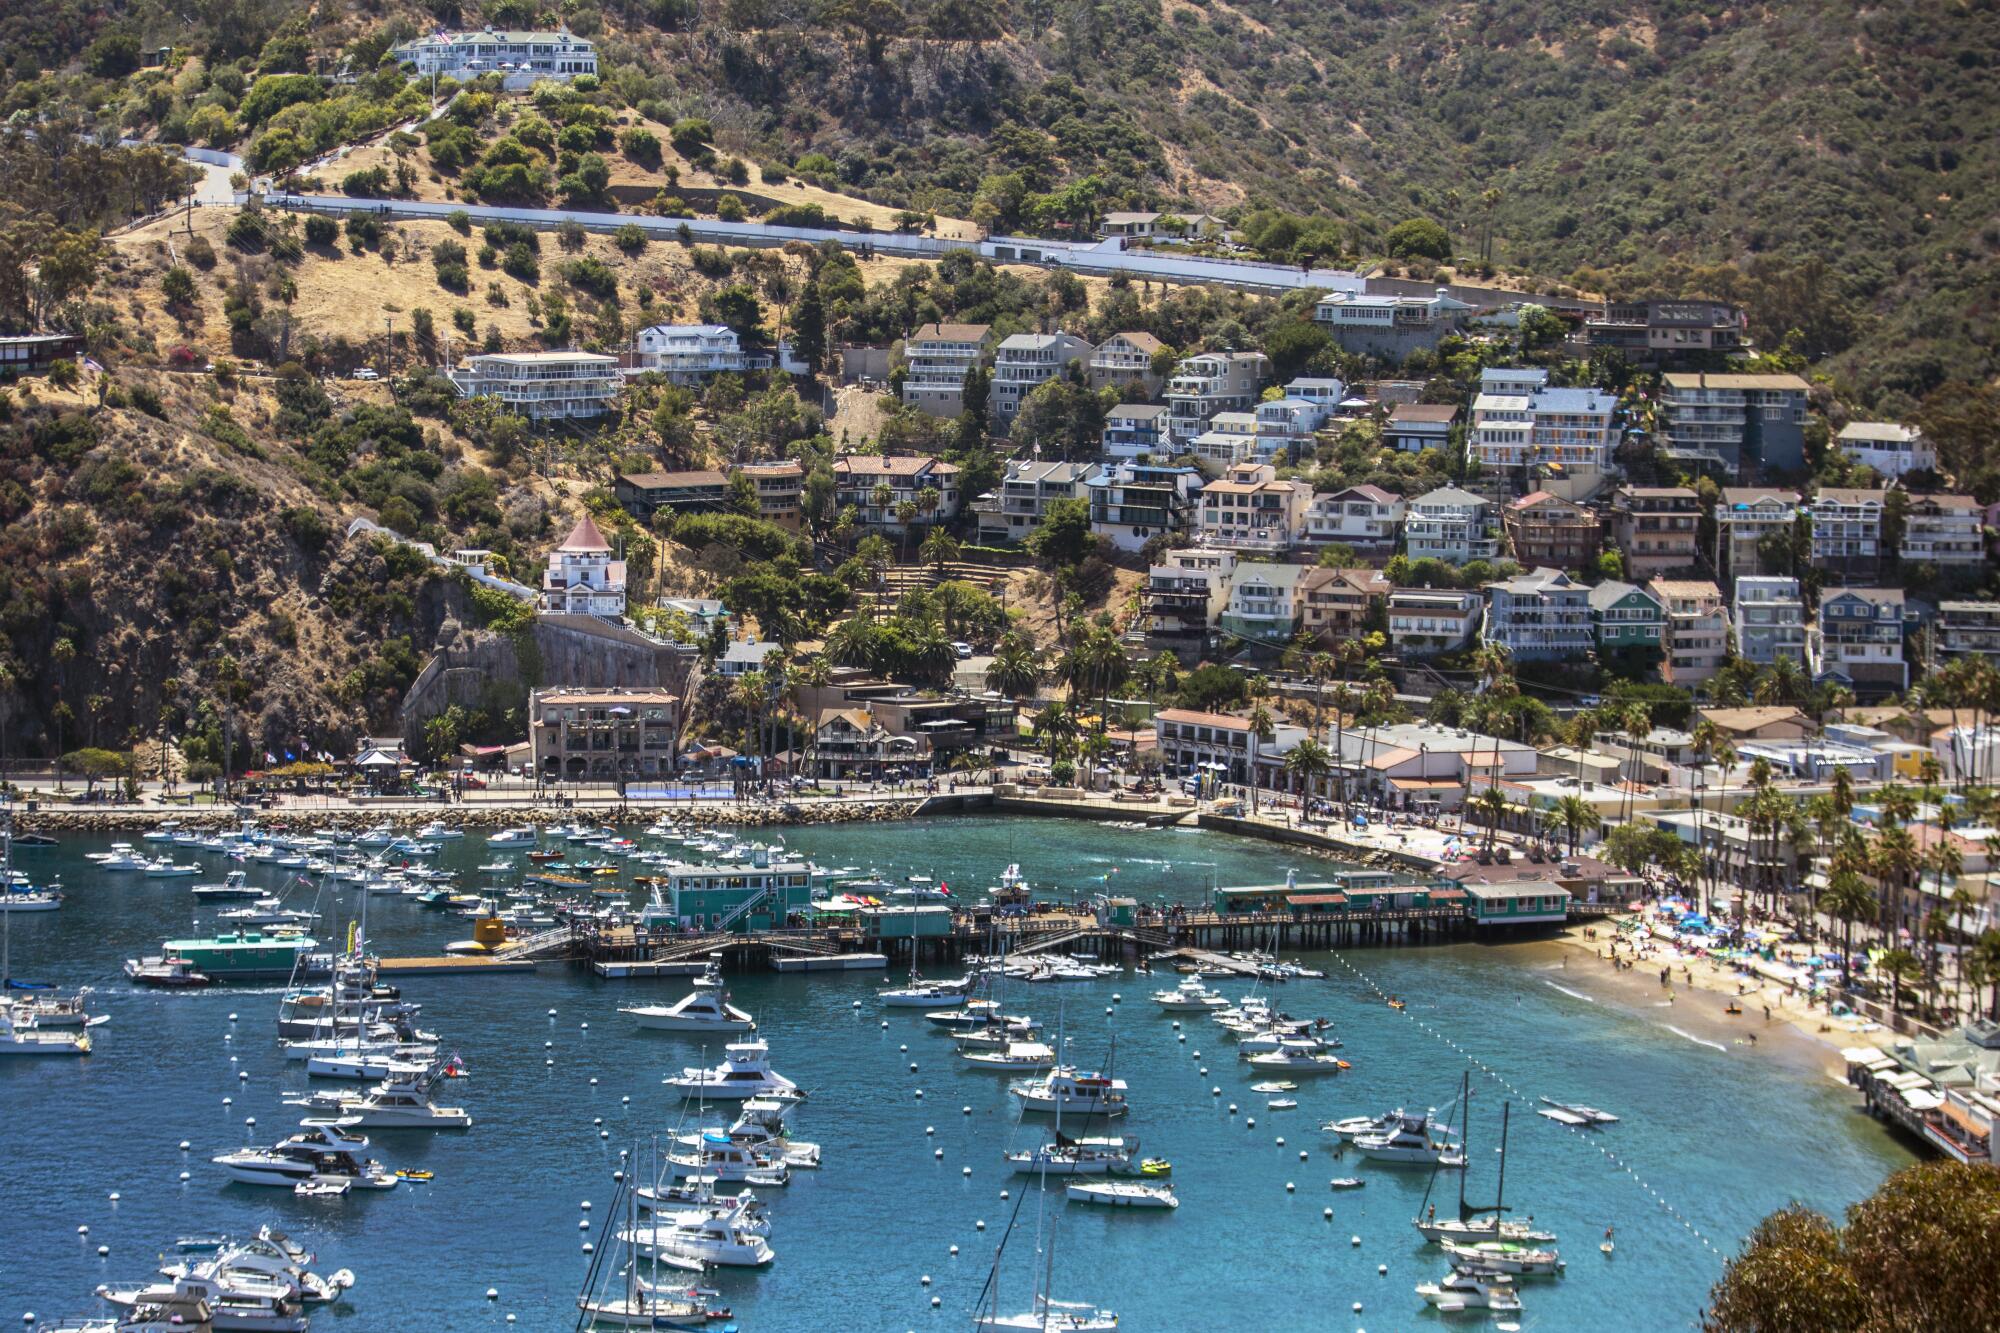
(582, 578)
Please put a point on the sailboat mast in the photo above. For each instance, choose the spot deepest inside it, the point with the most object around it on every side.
(1500, 1199)
(1464, 1140)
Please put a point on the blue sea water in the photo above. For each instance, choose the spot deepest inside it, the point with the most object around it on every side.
(1710, 1141)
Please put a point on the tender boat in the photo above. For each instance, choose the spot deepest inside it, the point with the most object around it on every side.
(1460, 1290)
(1122, 1194)
(745, 1073)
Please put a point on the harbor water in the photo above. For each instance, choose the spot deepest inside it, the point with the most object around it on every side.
(1711, 1137)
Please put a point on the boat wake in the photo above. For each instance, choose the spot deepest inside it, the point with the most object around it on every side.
(1574, 994)
(1699, 1041)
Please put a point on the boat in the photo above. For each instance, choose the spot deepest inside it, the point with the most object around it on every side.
(381, 835)
(1506, 1257)
(27, 899)
(1191, 996)
(1562, 1117)
(243, 954)
(636, 1302)
(1294, 1061)
(1156, 1168)
(1347, 1182)
(164, 831)
(1281, 1104)
(520, 835)
(236, 884)
(925, 994)
(438, 831)
(1015, 1055)
(1589, 1115)
(166, 868)
(21, 1036)
(1481, 1224)
(400, 1102)
(705, 1009)
(1122, 1194)
(1075, 1157)
(711, 1236)
(1355, 1125)
(760, 1126)
(1066, 1091)
(166, 972)
(714, 1157)
(744, 1073)
(1274, 1087)
(271, 1255)
(370, 1066)
(32, 842)
(243, 1302)
(1461, 1290)
(122, 856)
(316, 1152)
(1412, 1140)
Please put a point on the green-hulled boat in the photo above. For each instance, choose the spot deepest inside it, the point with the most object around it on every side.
(237, 955)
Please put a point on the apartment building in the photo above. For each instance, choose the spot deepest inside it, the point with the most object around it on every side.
(1945, 530)
(1013, 510)
(1364, 517)
(1451, 525)
(1263, 603)
(1135, 429)
(1336, 605)
(1212, 382)
(1390, 327)
(1424, 622)
(1415, 427)
(1545, 529)
(1735, 423)
(1190, 741)
(856, 478)
(1847, 530)
(1133, 502)
(1744, 517)
(1024, 362)
(1570, 428)
(1513, 381)
(1125, 360)
(1887, 447)
(1696, 638)
(1858, 641)
(1627, 616)
(937, 358)
(521, 57)
(1185, 595)
(1966, 628)
(582, 577)
(780, 490)
(691, 353)
(643, 494)
(1250, 510)
(1658, 332)
(604, 735)
(1656, 528)
(541, 386)
(1769, 618)
(1541, 616)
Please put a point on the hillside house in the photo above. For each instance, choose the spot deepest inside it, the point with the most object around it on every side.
(1024, 362)
(937, 358)
(1415, 427)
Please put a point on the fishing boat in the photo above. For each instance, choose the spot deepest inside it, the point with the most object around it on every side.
(166, 868)
(1589, 1115)
(520, 835)
(438, 831)
(1067, 1091)
(236, 884)
(404, 1101)
(1461, 1290)
(1122, 1194)
(705, 1009)
(166, 973)
(1506, 1257)
(744, 1073)
(1014, 1056)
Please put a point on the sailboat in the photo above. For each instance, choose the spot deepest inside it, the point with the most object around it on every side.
(642, 1303)
(1480, 1224)
(19, 1032)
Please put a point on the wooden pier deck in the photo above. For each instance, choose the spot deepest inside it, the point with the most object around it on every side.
(450, 964)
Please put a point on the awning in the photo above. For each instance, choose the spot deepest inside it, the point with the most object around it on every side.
(1424, 784)
(1316, 899)
(1963, 1119)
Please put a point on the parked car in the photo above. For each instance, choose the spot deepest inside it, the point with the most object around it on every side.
(962, 648)
(366, 373)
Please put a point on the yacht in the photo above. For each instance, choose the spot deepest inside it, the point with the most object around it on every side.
(121, 857)
(1460, 1290)
(926, 994)
(1293, 1060)
(164, 831)
(1191, 996)
(1122, 1194)
(401, 1102)
(1064, 1091)
(1412, 1139)
(1506, 1257)
(713, 1237)
(245, 1302)
(236, 884)
(49, 1010)
(165, 972)
(1363, 1124)
(705, 1009)
(29, 899)
(265, 912)
(438, 831)
(1049, 1316)
(276, 1257)
(760, 1126)
(1015, 1055)
(319, 1152)
(165, 1316)
(713, 1157)
(745, 1072)
(20, 1036)
(370, 1067)
(1075, 1157)
(1482, 1228)
(521, 835)
(379, 836)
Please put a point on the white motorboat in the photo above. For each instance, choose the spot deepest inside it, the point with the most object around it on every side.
(165, 868)
(1588, 1115)
(1280, 1039)
(1355, 1125)
(760, 1126)
(20, 1036)
(1015, 1055)
(245, 1302)
(996, 1036)
(705, 1009)
(373, 1039)
(122, 856)
(272, 1256)
(713, 1237)
(1505, 1257)
(438, 831)
(381, 835)
(401, 1102)
(164, 831)
(1065, 1091)
(1459, 1290)
(926, 994)
(1122, 1194)
(1075, 1157)
(521, 835)
(974, 1014)
(236, 884)
(712, 1156)
(317, 1152)
(1191, 996)
(49, 1010)
(1413, 1140)
(1292, 1061)
(13, 899)
(362, 1067)
(745, 1072)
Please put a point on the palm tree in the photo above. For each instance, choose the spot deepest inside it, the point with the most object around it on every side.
(1725, 759)
(1055, 727)
(1015, 671)
(851, 643)
(1261, 729)
(1986, 954)
(1306, 763)
(1491, 804)
(1963, 899)
(1894, 861)
(1636, 721)
(1899, 965)
(1575, 817)
(1848, 899)
(939, 549)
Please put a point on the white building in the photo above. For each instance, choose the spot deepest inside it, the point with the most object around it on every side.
(1847, 529)
(1285, 427)
(1231, 438)
(1747, 515)
(1209, 383)
(1770, 620)
(521, 57)
(1571, 428)
(1185, 595)
(541, 385)
(689, 353)
(1250, 510)
(1427, 621)
(1890, 449)
(1540, 616)
(1943, 530)
(1025, 361)
(1364, 517)
(1015, 509)
(582, 578)
(861, 480)
(1452, 525)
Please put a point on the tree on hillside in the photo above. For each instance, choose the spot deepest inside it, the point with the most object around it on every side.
(1922, 1252)
(1417, 238)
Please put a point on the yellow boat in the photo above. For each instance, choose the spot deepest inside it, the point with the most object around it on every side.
(1156, 1167)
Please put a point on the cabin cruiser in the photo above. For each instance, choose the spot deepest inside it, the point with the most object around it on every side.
(165, 868)
(760, 1126)
(1460, 1290)
(1291, 1059)
(1068, 1092)
(236, 884)
(265, 912)
(1364, 1124)
(745, 1072)
(381, 835)
(712, 1236)
(164, 831)
(705, 1009)
(1505, 1257)
(438, 831)
(19, 1035)
(1015, 1055)
(1191, 996)
(401, 1102)
(715, 1157)
(122, 856)
(317, 1153)
(1075, 1157)
(47, 1010)
(274, 1256)
(1412, 1139)
(173, 1315)
(520, 835)
(1284, 1037)
(247, 1302)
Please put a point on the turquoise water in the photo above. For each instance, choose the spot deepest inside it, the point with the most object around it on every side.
(1720, 1137)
